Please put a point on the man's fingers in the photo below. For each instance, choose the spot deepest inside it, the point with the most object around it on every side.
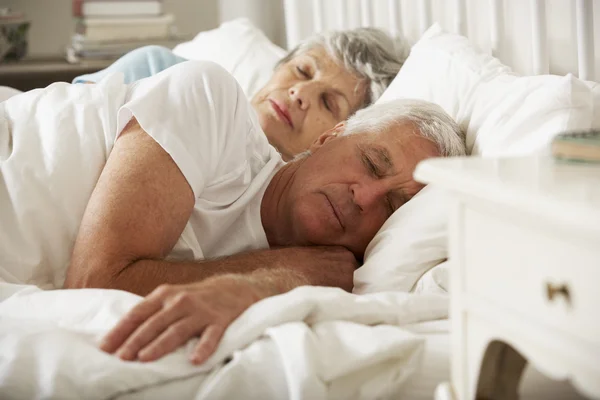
(207, 344)
(170, 339)
(132, 320)
(148, 331)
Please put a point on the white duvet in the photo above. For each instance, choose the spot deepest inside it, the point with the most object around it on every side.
(311, 343)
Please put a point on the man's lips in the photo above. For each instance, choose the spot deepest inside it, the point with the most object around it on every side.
(282, 112)
(335, 211)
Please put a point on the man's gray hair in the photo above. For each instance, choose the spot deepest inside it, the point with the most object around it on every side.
(369, 53)
(429, 119)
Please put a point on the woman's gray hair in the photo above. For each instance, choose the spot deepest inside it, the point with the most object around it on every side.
(369, 53)
(430, 120)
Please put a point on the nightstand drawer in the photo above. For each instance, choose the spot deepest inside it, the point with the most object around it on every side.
(536, 274)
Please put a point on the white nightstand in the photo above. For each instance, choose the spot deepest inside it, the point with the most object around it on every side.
(524, 245)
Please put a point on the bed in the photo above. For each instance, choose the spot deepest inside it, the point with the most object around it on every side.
(480, 61)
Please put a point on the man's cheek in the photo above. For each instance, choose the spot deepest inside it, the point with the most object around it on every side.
(313, 224)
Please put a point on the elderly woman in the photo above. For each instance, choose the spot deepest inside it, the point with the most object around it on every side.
(322, 81)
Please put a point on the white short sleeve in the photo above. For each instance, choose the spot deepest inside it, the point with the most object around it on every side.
(198, 114)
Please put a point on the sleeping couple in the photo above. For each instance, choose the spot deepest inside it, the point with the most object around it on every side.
(178, 188)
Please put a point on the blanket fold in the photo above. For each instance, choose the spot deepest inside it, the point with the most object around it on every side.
(312, 342)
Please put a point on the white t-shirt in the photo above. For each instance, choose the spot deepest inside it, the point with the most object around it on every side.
(55, 141)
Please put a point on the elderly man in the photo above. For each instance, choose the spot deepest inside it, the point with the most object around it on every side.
(322, 81)
(170, 188)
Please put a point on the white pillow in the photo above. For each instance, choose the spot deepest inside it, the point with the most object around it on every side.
(444, 69)
(410, 242)
(239, 47)
(519, 115)
(502, 114)
(7, 92)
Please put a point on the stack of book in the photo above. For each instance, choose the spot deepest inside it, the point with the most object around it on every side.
(107, 29)
(580, 147)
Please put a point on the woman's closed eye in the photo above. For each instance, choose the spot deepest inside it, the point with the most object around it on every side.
(303, 72)
(328, 103)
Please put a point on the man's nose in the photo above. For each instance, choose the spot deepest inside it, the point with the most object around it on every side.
(304, 94)
(369, 195)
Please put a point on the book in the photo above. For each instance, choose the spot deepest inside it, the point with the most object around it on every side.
(76, 7)
(104, 8)
(123, 29)
(89, 50)
(80, 43)
(82, 48)
(583, 146)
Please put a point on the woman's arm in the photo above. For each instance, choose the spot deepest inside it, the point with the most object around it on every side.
(137, 64)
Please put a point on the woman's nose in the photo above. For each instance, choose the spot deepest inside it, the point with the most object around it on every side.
(303, 94)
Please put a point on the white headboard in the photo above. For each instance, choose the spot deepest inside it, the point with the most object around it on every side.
(531, 36)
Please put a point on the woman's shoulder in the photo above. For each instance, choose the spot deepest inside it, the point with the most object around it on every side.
(204, 71)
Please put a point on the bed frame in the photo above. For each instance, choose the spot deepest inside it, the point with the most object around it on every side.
(531, 36)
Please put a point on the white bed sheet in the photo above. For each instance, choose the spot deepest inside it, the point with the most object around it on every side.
(312, 342)
(434, 369)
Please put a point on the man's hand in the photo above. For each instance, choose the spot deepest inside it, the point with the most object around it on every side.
(172, 314)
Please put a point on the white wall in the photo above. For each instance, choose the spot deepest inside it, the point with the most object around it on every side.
(515, 49)
(266, 14)
(53, 24)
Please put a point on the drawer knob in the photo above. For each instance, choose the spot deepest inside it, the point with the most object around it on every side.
(561, 290)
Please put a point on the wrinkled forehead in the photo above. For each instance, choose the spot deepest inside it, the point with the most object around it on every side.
(324, 61)
(378, 129)
(399, 139)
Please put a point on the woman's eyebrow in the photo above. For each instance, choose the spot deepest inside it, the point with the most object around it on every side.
(316, 64)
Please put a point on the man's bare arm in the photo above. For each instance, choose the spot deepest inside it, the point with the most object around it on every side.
(321, 266)
(136, 214)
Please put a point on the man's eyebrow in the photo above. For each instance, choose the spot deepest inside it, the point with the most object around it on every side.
(384, 166)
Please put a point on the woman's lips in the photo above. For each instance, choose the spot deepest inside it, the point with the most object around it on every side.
(282, 112)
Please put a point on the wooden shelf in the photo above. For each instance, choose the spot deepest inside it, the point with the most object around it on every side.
(40, 66)
(34, 73)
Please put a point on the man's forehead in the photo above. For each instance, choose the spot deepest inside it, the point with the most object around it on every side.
(376, 149)
(391, 144)
(394, 134)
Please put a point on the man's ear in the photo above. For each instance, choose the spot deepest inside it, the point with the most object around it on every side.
(327, 136)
